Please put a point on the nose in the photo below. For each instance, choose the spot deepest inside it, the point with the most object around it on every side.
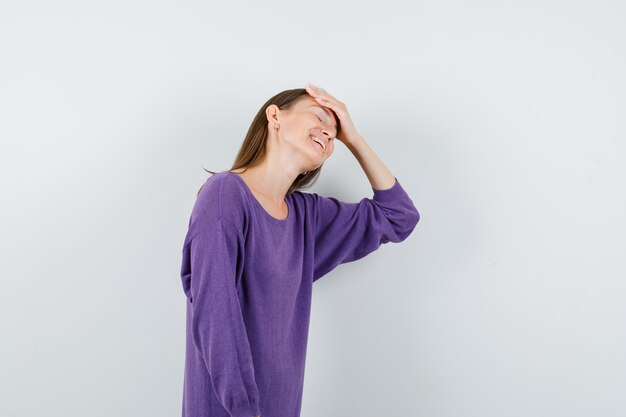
(325, 134)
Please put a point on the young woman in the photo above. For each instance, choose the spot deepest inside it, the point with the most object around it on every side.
(255, 245)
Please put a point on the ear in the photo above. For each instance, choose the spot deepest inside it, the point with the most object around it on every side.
(272, 112)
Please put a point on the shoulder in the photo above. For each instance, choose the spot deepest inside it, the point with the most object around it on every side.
(310, 204)
(306, 200)
(312, 200)
(221, 198)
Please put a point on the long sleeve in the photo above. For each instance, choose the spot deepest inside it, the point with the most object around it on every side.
(217, 328)
(346, 232)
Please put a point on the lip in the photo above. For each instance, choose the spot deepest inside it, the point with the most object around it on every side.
(322, 148)
(317, 146)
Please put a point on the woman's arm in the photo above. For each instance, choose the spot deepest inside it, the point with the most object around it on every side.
(377, 173)
(213, 248)
(345, 232)
(217, 325)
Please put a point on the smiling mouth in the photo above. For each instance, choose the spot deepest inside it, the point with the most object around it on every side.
(322, 147)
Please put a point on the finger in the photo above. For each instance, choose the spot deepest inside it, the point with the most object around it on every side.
(318, 91)
(314, 87)
(330, 104)
(311, 88)
(313, 93)
(325, 100)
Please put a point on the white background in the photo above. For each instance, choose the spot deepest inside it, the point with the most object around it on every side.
(504, 121)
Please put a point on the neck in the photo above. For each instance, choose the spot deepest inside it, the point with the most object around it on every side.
(272, 184)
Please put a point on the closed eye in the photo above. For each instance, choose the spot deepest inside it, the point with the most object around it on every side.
(320, 119)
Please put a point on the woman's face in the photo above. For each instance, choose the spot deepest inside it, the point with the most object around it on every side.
(306, 120)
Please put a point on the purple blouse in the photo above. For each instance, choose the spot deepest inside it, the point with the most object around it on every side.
(248, 279)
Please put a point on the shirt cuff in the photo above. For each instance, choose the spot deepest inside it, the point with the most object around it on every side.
(390, 194)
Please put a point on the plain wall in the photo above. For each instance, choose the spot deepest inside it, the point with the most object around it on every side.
(504, 121)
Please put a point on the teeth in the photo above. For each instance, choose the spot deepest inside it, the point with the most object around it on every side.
(318, 141)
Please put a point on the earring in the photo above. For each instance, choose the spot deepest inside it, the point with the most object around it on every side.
(305, 172)
(275, 126)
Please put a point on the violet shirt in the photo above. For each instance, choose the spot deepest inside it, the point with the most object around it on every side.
(248, 279)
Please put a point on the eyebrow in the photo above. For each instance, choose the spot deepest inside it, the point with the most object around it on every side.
(325, 111)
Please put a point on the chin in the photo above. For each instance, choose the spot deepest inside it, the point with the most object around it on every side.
(317, 166)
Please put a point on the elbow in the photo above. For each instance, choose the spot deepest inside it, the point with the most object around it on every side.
(413, 218)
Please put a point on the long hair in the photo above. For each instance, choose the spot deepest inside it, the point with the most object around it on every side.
(253, 147)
